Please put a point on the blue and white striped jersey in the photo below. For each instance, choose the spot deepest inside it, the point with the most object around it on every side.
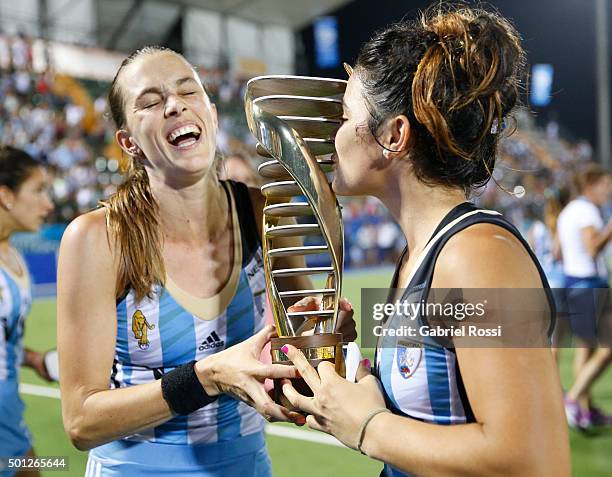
(15, 304)
(171, 328)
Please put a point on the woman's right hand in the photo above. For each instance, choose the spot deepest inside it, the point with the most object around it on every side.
(239, 372)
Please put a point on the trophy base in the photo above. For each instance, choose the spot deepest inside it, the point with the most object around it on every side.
(316, 348)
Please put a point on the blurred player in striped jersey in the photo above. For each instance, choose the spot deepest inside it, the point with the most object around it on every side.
(24, 204)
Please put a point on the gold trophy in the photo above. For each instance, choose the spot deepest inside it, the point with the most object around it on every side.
(294, 119)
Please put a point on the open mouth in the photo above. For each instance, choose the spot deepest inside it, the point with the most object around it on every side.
(185, 136)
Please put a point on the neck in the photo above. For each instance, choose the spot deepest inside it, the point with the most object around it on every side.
(7, 227)
(191, 213)
(418, 208)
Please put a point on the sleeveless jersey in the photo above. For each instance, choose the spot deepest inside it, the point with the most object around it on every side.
(424, 382)
(172, 328)
(15, 304)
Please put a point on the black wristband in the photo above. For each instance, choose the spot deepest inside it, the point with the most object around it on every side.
(182, 390)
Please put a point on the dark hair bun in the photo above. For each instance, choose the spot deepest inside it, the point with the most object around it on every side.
(456, 74)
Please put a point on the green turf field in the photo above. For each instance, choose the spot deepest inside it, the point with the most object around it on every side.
(591, 454)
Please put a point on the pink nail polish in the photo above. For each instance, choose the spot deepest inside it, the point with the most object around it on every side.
(284, 349)
(366, 363)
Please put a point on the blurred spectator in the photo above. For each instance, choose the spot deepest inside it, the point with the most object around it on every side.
(583, 235)
(74, 138)
(238, 168)
(582, 232)
(366, 242)
(542, 235)
(21, 52)
(74, 115)
(5, 54)
(22, 82)
(389, 235)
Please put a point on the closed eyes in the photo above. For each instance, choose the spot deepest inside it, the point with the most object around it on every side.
(156, 102)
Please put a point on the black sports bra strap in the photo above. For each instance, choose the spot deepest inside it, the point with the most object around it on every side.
(248, 227)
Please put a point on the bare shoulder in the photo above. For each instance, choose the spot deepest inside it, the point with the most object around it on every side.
(485, 256)
(87, 268)
(88, 233)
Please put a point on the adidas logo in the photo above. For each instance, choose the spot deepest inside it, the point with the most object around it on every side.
(213, 341)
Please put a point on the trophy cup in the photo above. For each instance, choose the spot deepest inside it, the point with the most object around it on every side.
(294, 120)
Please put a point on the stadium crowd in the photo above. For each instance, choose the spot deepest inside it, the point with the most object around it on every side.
(64, 123)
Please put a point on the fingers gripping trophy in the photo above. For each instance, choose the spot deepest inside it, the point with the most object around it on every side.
(294, 120)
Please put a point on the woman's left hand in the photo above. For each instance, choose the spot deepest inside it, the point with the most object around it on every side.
(338, 407)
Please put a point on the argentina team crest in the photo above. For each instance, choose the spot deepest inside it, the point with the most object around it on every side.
(140, 328)
(408, 358)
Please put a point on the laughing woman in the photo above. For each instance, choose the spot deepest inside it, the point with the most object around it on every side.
(160, 296)
(422, 115)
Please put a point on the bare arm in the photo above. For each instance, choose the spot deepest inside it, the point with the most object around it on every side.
(596, 240)
(86, 332)
(515, 394)
(36, 361)
(509, 439)
(556, 247)
(530, 238)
